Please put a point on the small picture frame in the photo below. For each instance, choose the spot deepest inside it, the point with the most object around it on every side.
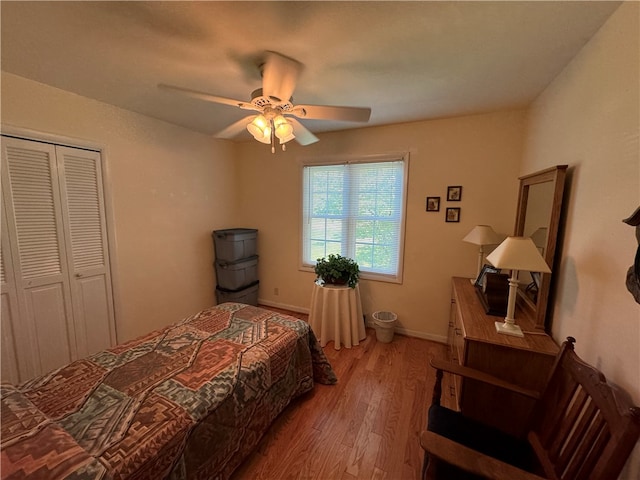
(452, 215)
(486, 268)
(433, 204)
(536, 277)
(454, 193)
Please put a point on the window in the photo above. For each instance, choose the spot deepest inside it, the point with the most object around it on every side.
(356, 208)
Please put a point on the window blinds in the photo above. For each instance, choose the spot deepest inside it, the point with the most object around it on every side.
(355, 209)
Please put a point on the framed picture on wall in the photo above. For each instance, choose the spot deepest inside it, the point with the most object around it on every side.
(433, 204)
(454, 194)
(452, 215)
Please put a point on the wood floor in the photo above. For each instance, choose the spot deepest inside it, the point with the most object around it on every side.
(366, 426)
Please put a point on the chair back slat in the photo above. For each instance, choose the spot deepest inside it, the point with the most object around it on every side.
(585, 449)
(582, 427)
(582, 433)
(566, 423)
(552, 407)
(585, 468)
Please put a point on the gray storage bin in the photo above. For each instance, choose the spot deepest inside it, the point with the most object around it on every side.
(235, 243)
(238, 274)
(248, 295)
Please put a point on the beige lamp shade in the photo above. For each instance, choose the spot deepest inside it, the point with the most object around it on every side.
(482, 235)
(518, 253)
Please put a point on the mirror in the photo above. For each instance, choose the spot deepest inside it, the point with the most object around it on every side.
(538, 217)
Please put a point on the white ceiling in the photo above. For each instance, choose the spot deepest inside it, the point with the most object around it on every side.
(406, 60)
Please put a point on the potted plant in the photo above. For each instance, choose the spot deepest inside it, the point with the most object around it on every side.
(338, 270)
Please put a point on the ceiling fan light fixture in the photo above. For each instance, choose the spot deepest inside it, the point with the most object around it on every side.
(267, 137)
(260, 128)
(286, 139)
(283, 129)
(283, 141)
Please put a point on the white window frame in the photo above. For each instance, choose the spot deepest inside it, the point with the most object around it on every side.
(351, 159)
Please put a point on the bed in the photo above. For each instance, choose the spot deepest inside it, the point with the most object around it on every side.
(189, 401)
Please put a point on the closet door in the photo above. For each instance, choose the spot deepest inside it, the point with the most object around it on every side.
(44, 333)
(9, 312)
(81, 189)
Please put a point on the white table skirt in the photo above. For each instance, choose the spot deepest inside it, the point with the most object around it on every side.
(336, 315)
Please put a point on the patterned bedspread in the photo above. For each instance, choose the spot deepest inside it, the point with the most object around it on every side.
(189, 401)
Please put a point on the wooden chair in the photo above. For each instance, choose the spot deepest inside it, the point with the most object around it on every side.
(581, 428)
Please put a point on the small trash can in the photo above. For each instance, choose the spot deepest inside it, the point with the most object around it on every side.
(384, 323)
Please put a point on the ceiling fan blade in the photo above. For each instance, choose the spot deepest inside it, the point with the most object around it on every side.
(279, 76)
(235, 128)
(303, 136)
(208, 97)
(326, 112)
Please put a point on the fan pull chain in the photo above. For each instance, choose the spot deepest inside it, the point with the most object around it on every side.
(273, 137)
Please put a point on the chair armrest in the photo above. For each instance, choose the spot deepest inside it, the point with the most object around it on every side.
(470, 460)
(473, 374)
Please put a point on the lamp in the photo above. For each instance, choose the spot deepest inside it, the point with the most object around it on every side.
(283, 129)
(265, 128)
(260, 128)
(516, 253)
(481, 235)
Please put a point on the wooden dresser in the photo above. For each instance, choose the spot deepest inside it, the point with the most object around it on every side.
(474, 342)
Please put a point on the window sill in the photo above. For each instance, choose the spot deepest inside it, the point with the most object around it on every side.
(369, 276)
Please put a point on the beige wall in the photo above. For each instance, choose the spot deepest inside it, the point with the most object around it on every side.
(588, 118)
(169, 188)
(481, 153)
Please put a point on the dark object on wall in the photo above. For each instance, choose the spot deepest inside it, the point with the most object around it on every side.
(633, 274)
(454, 194)
(452, 215)
(433, 204)
(494, 293)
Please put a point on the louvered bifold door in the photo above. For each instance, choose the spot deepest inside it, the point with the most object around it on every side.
(44, 332)
(83, 209)
(9, 312)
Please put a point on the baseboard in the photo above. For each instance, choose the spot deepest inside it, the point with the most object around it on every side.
(413, 333)
(283, 306)
(398, 330)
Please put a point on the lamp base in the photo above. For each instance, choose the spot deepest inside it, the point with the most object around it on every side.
(509, 329)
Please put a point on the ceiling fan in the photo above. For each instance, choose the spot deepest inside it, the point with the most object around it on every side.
(276, 117)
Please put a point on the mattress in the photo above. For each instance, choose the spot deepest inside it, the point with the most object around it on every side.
(189, 401)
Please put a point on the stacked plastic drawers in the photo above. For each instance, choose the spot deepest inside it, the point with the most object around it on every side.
(236, 265)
